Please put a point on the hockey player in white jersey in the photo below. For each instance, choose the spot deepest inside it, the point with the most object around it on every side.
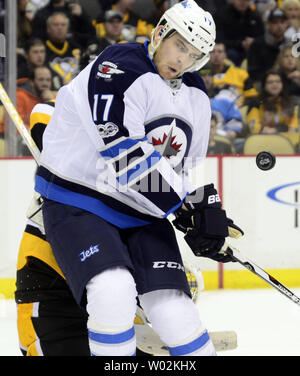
(111, 172)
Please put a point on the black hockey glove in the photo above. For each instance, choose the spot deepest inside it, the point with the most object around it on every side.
(203, 199)
(206, 224)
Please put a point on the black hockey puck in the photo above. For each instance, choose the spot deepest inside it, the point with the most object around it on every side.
(265, 160)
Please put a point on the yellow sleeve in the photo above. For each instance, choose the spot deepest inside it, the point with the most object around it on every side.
(99, 27)
(253, 120)
(39, 119)
(293, 126)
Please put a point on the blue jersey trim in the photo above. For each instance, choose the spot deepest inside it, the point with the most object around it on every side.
(147, 53)
(139, 168)
(172, 210)
(112, 338)
(115, 150)
(92, 205)
(190, 347)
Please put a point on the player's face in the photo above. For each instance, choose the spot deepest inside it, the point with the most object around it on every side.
(174, 56)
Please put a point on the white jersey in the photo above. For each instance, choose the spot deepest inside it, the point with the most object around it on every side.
(120, 137)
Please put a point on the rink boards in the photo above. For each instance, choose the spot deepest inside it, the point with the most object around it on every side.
(265, 204)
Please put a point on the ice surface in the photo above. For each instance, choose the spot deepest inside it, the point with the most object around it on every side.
(266, 322)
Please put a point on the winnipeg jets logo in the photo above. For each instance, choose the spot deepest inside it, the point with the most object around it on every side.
(169, 140)
(89, 252)
(167, 146)
(106, 69)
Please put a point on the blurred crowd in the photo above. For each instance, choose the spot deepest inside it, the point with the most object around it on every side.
(252, 79)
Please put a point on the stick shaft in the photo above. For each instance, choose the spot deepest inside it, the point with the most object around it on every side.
(15, 117)
(237, 256)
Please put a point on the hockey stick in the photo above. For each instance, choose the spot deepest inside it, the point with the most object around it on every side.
(241, 259)
(15, 117)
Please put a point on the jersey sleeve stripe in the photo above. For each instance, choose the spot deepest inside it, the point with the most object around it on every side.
(155, 188)
(144, 166)
(134, 163)
(121, 147)
(126, 161)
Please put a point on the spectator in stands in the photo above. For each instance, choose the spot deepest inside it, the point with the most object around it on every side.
(228, 116)
(160, 7)
(289, 67)
(35, 56)
(292, 11)
(216, 146)
(2, 65)
(62, 53)
(113, 25)
(33, 90)
(264, 50)
(80, 28)
(237, 26)
(273, 111)
(24, 28)
(262, 6)
(106, 4)
(2, 16)
(30, 91)
(211, 5)
(134, 29)
(234, 82)
(1, 131)
(33, 6)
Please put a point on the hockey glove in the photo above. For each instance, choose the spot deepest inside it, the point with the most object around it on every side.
(202, 199)
(209, 245)
(206, 224)
(233, 230)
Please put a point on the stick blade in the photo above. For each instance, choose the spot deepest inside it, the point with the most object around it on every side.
(224, 340)
(149, 342)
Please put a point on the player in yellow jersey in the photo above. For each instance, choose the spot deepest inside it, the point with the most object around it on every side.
(49, 320)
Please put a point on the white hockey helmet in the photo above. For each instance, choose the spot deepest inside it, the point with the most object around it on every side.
(192, 23)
